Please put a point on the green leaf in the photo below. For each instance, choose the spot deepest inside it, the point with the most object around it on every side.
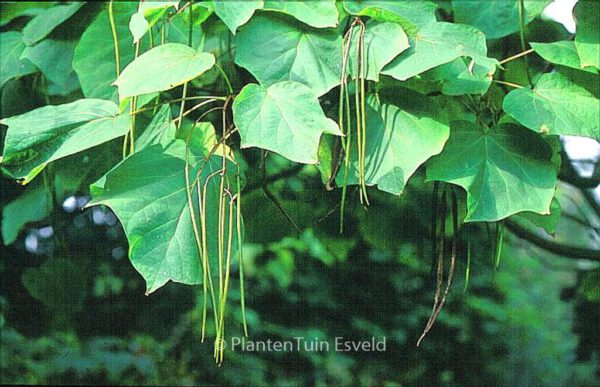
(398, 142)
(285, 118)
(204, 137)
(562, 53)
(456, 78)
(317, 13)
(546, 222)
(236, 13)
(54, 59)
(162, 68)
(149, 12)
(58, 283)
(161, 130)
(31, 206)
(147, 193)
(439, 43)
(11, 64)
(504, 171)
(411, 15)
(41, 25)
(14, 9)
(49, 133)
(587, 38)
(555, 106)
(286, 51)
(94, 58)
(382, 42)
(496, 18)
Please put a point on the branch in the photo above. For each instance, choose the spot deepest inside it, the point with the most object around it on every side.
(275, 177)
(566, 251)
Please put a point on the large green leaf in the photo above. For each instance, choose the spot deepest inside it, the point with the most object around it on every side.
(505, 170)
(555, 106)
(277, 49)
(161, 130)
(162, 68)
(14, 9)
(54, 59)
(285, 118)
(496, 18)
(439, 43)
(547, 222)
(562, 53)
(11, 64)
(147, 193)
(383, 41)
(30, 206)
(587, 38)
(94, 58)
(149, 12)
(316, 13)
(236, 13)
(456, 78)
(41, 25)
(410, 14)
(49, 133)
(398, 142)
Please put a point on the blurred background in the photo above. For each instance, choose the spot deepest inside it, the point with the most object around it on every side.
(73, 309)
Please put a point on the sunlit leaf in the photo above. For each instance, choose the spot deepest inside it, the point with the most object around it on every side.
(504, 170)
(496, 18)
(438, 43)
(287, 51)
(153, 209)
(284, 118)
(383, 42)
(316, 13)
(562, 53)
(49, 133)
(236, 13)
(411, 15)
(94, 58)
(162, 68)
(587, 38)
(555, 106)
(397, 143)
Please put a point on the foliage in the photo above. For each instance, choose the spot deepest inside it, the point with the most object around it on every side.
(152, 111)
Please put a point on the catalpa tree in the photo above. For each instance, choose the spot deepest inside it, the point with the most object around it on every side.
(176, 103)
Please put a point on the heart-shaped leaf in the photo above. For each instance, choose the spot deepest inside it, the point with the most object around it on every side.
(556, 106)
(293, 52)
(163, 68)
(49, 133)
(285, 118)
(505, 170)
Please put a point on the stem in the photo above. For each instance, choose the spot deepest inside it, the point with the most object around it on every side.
(499, 241)
(516, 56)
(361, 47)
(191, 21)
(113, 28)
(240, 251)
(229, 87)
(182, 108)
(508, 84)
(522, 37)
(346, 143)
(468, 269)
